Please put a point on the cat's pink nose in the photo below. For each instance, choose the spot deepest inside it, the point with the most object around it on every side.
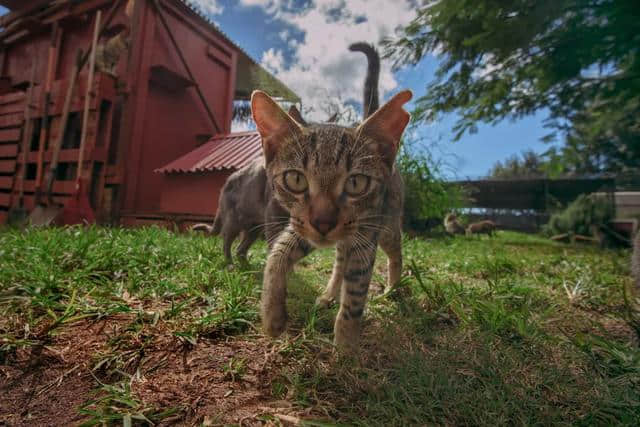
(324, 225)
(323, 215)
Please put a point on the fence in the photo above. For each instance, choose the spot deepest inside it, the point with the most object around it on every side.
(526, 204)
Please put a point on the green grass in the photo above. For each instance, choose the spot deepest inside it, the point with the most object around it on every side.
(510, 330)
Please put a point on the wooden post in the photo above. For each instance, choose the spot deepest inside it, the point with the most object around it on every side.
(87, 99)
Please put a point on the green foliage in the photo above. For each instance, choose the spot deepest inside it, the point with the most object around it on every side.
(427, 195)
(527, 165)
(489, 334)
(584, 212)
(579, 60)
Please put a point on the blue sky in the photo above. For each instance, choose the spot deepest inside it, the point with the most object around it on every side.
(304, 43)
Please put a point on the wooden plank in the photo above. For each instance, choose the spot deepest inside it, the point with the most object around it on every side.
(13, 97)
(29, 201)
(11, 108)
(59, 187)
(69, 155)
(7, 135)
(7, 166)
(6, 182)
(11, 120)
(9, 150)
(5, 199)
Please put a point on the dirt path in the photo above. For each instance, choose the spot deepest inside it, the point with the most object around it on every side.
(213, 382)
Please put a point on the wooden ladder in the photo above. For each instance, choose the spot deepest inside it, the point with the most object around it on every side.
(11, 126)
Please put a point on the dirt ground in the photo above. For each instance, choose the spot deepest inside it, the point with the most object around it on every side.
(214, 382)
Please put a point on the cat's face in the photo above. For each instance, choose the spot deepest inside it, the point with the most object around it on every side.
(330, 178)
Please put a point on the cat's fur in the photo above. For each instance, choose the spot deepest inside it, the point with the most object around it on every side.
(452, 225)
(330, 159)
(481, 227)
(635, 261)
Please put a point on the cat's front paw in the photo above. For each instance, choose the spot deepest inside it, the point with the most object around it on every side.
(346, 335)
(274, 321)
(324, 301)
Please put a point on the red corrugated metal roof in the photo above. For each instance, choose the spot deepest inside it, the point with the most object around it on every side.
(231, 151)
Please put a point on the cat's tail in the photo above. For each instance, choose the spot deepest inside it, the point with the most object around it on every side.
(370, 102)
(201, 227)
(209, 229)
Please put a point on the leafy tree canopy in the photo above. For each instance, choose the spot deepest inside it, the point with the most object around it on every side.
(580, 59)
(527, 165)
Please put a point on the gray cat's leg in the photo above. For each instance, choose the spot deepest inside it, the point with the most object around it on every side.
(355, 286)
(248, 237)
(286, 251)
(332, 291)
(391, 244)
(228, 237)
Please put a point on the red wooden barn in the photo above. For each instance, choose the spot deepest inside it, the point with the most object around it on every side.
(159, 145)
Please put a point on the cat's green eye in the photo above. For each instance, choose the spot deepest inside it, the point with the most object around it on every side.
(357, 185)
(295, 181)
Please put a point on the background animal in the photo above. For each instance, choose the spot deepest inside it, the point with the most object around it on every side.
(452, 225)
(242, 204)
(109, 52)
(241, 208)
(481, 227)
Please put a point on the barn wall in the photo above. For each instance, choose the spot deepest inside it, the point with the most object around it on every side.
(165, 120)
(195, 194)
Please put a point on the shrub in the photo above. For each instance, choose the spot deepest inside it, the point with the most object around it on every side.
(428, 198)
(581, 214)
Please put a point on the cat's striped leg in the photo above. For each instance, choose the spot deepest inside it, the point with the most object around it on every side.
(391, 244)
(332, 291)
(355, 286)
(286, 251)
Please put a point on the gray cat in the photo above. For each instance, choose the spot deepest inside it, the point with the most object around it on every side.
(242, 204)
(241, 207)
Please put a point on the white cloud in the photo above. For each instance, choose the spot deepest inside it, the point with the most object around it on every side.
(209, 7)
(273, 60)
(322, 66)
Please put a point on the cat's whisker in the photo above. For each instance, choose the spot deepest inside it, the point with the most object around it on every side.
(365, 241)
(375, 227)
(267, 224)
(357, 249)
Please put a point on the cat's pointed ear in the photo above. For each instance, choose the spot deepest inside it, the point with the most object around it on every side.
(274, 125)
(294, 113)
(387, 124)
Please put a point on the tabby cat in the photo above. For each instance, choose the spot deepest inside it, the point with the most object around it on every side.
(452, 225)
(340, 187)
(245, 196)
